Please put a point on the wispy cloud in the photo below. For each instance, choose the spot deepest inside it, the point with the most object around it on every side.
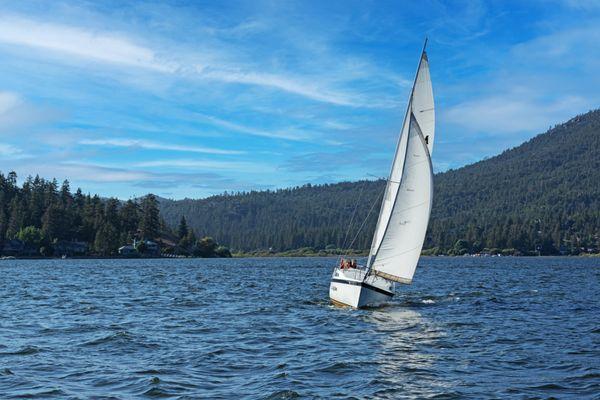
(79, 42)
(207, 165)
(512, 113)
(150, 145)
(95, 173)
(531, 89)
(10, 152)
(275, 134)
(296, 86)
(216, 64)
(16, 113)
(8, 101)
(90, 172)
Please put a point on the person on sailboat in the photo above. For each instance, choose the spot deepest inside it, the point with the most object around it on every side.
(353, 264)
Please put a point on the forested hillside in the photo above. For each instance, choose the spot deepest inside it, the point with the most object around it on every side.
(541, 197)
(42, 219)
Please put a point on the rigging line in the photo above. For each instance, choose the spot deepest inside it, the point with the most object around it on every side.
(362, 188)
(366, 218)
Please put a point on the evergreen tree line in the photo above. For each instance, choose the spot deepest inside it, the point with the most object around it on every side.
(48, 218)
(542, 197)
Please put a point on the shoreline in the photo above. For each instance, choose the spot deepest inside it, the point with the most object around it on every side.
(238, 256)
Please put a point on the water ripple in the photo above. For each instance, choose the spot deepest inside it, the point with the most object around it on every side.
(264, 329)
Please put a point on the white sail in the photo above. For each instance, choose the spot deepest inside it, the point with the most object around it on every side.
(422, 102)
(398, 254)
(422, 106)
(391, 189)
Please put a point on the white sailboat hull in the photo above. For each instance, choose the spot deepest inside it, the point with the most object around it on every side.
(349, 288)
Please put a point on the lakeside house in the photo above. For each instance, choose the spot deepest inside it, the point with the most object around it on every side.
(13, 247)
(16, 247)
(128, 251)
(152, 248)
(131, 250)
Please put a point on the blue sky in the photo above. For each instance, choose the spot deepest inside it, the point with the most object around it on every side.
(188, 99)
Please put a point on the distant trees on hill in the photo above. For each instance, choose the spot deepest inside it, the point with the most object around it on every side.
(46, 218)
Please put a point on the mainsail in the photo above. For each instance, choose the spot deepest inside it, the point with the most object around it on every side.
(406, 206)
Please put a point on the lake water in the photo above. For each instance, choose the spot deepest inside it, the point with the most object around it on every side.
(263, 328)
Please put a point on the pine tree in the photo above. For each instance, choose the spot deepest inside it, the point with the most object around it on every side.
(111, 212)
(129, 216)
(65, 194)
(106, 242)
(150, 221)
(51, 222)
(16, 220)
(182, 229)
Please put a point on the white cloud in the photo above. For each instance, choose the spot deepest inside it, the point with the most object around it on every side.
(10, 152)
(285, 83)
(222, 65)
(206, 164)
(569, 47)
(17, 113)
(95, 173)
(150, 145)
(277, 134)
(513, 113)
(542, 82)
(95, 45)
(8, 101)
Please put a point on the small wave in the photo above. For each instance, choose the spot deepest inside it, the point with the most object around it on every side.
(418, 303)
(25, 351)
(156, 392)
(315, 302)
(447, 396)
(591, 376)
(149, 372)
(216, 352)
(548, 386)
(42, 395)
(283, 394)
(335, 368)
(187, 303)
(461, 324)
(119, 338)
(6, 371)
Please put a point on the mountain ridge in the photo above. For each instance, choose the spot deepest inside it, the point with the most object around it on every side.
(542, 196)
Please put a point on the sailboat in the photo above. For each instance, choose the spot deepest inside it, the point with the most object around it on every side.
(405, 208)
